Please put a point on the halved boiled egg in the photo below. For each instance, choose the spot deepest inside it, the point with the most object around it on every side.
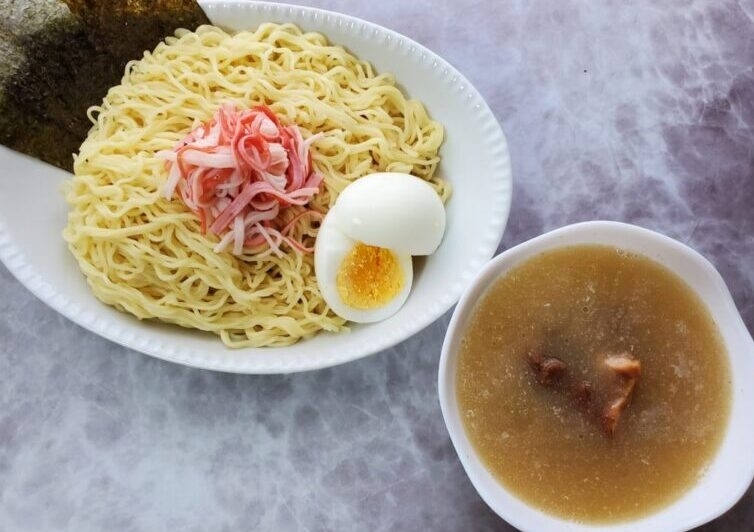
(362, 256)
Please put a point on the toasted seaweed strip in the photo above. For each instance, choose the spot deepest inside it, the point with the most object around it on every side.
(59, 58)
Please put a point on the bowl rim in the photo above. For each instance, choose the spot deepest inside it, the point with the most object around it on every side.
(501, 500)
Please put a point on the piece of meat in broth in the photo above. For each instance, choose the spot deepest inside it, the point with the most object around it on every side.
(604, 403)
(548, 370)
(623, 371)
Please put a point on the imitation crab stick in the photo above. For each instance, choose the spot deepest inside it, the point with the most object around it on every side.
(238, 172)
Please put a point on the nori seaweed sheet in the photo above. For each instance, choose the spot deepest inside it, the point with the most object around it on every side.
(58, 59)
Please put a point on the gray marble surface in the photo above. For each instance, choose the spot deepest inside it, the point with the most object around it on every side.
(642, 113)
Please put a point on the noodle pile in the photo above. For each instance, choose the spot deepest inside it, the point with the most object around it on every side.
(146, 255)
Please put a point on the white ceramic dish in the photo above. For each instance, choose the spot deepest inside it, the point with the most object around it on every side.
(732, 470)
(32, 248)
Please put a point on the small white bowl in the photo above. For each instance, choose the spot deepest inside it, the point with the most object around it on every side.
(732, 469)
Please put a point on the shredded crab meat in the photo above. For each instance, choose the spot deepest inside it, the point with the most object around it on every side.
(239, 172)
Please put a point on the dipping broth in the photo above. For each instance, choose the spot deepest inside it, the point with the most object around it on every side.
(547, 436)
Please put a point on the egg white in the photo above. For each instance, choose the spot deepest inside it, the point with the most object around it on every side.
(390, 210)
(330, 249)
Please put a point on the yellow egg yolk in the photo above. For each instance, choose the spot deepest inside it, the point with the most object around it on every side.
(369, 277)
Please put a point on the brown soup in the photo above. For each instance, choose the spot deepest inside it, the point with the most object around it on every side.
(557, 420)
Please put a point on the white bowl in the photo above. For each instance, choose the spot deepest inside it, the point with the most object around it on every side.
(731, 472)
(474, 160)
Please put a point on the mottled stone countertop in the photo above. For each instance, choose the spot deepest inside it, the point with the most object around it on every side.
(642, 113)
